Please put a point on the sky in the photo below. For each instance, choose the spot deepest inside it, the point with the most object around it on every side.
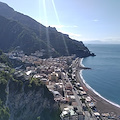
(90, 21)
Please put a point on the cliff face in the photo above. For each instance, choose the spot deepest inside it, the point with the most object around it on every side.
(29, 102)
(25, 99)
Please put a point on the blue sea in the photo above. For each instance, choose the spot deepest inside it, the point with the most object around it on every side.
(104, 75)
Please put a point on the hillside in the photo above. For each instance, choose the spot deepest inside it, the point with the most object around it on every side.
(17, 29)
(23, 98)
(28, 100)
(13, 34)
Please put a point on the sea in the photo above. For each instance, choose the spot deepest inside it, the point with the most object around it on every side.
(104, 76)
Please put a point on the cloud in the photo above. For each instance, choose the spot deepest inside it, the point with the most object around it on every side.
(73, 35)
(64, 26)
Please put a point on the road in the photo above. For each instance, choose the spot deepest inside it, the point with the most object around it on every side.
(87, 114)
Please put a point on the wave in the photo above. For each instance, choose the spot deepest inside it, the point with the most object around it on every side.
(89, 87)
(81, 62)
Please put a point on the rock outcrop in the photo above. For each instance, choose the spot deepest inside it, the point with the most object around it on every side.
(25, 99)
(28, 102)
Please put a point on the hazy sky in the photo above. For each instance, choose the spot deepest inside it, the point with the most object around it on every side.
(86, 20)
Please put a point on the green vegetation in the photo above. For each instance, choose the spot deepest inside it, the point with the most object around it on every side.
(9, 62)
(18, 85)
(4, 112)
(33, 85)
(4, 77)
(19, 30)
(38, 118)
(35, 81)
(4, 59)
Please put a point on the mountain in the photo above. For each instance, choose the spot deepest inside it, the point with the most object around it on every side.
(19, 30)
(13, 34)
(9, 13)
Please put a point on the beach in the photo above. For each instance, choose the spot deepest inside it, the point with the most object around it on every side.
(102, 105)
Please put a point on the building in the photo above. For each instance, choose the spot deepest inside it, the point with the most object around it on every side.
(54, 77)
(69, 114)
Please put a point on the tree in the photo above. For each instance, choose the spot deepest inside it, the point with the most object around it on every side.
(4, 112)
(38, 118)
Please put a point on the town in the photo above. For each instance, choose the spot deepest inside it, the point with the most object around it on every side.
(61, 76)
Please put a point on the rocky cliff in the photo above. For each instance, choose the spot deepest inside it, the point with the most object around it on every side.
(29, 101)
(25, 99)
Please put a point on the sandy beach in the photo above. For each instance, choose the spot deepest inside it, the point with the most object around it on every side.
(102, 105)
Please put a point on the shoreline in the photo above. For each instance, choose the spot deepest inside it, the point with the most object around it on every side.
(97, 92)
(102, 104)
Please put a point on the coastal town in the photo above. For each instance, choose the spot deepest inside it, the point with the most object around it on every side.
(62, 77)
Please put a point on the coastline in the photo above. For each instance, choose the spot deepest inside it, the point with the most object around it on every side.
(103, 105)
